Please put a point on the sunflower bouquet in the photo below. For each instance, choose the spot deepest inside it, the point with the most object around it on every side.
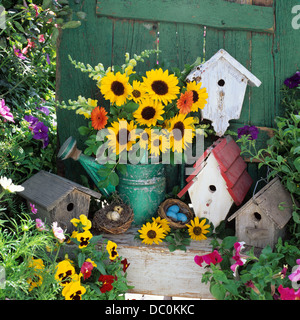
(150, 116)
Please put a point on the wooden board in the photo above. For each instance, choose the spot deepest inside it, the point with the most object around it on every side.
(154, 270)
(212, 13)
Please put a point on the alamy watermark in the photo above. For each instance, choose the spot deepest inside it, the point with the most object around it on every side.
(170, 147)
(2, 18)
(296, 18)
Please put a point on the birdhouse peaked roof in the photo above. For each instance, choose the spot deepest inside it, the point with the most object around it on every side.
(231, 165)
(268, 200)
(47, 190)
(223, 54)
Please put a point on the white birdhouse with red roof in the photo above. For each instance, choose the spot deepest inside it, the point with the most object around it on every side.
(220, 178)
(225, 80)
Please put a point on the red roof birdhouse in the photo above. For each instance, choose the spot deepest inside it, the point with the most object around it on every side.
(219, 179)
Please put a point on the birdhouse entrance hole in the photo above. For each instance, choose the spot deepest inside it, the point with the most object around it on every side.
(257, 216)
(221, 83)
(212, 188)
(70, 206)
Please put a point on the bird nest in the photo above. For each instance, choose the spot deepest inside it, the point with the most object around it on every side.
(102, 222)
(184, 208)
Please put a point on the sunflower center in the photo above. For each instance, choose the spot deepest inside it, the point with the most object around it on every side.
(160, 87)
(148, 113)
(195, 96)
(117, 88)
(122, 136)
(144, 136)
(197, 231)
(136, 93)
(151, 234)
(179, 132)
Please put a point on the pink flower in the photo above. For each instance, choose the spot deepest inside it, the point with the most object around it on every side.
(30, 45)
(288, 293)
(33, 208)
(18, 53)
(58, 232)
(213, 258)
(240, 261)
(36, 8)
(295, 276)
(86, 269)
(41, 38)
(5, 111)
(40, 225)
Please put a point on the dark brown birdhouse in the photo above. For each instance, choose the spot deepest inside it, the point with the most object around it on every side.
(262, 220)
(57, 199)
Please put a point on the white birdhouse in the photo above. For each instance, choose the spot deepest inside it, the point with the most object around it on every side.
(262, 220)
(219, 179)
(225, 80)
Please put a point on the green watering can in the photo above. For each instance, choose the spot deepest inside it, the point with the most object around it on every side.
(91, 166)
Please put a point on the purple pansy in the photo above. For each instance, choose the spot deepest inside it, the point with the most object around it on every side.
(32, 121)
(39, 130)
(248, 130)
(45, 110)
(293, 81)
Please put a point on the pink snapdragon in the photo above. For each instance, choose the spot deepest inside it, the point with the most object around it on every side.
(58, 232)
(240, 260)
(5, 111)
(213, 258)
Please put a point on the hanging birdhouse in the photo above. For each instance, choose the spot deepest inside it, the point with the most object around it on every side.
(219, 179)
(57, 199)
(225, 80)
(262, 220)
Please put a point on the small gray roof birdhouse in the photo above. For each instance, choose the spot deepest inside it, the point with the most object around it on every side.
(57, 199)
(225, 80)
(262, 220)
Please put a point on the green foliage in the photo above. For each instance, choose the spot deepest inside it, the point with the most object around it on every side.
(282, 154)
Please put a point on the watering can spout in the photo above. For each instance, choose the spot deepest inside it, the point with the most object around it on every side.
(69, 150)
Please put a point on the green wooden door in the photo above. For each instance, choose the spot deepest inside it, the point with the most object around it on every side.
(259, 37)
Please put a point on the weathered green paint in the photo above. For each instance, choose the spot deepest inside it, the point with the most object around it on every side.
(143, 187)
(271, 57)
(212, 13)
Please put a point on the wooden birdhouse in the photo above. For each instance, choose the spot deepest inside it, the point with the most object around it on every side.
(219, 179)
(57, 199)
(262, 220)
(225, 80)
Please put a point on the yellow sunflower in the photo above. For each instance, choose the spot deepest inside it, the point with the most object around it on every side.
(115, 87)
(163, 223)
(149, 112)
(143, 135)
(121, 136)
(151, 232)
(138, 92)
(158, 143)
(161, 86)
(197, 230)
(199, 95)
(182, 132)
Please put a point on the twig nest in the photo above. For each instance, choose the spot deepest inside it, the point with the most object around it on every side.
(115, 217)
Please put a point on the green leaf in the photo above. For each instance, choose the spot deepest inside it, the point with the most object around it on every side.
(46, 4)
(101, 267)
(296, 217)
(228, 242)
(83, 130)
(220, 276)
(81, 259)
(218, 291)
(172, 247)
(122, 168)
(114, 179)
(71, 25)
(297, 164)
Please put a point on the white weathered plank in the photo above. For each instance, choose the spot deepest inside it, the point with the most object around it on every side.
(154, 270)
